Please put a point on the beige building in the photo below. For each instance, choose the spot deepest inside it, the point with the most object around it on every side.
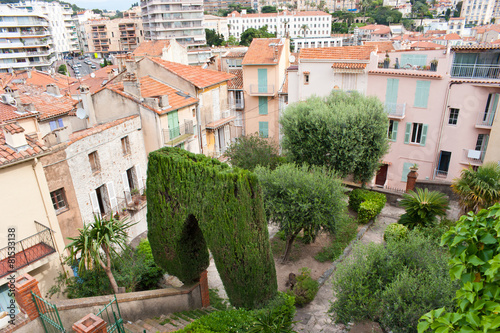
(264, 67)
(118, 35)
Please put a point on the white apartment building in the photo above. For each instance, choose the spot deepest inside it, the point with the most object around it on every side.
(294, 24)
(478, 11)
(25, 40)
(178, 19)
(216, 23)
(62, 26)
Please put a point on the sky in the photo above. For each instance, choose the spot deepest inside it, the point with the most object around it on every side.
(104, 4)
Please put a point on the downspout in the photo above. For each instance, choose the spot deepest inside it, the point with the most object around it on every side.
(33, 166)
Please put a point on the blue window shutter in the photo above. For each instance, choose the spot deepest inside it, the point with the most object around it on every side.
(394, 131)
(263, 129)
(60, 122)
(422, 94)
(407, 133)
(406, 170)
(53, 125)
(424, 135)
(262, 76)
(262, 104)
(391, 94)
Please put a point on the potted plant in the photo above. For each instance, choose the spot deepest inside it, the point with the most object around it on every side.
(434, 64)
(134, 192)
(414, 167)
(387, 60)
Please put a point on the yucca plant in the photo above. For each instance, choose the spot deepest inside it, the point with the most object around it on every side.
(97, 241)
(478, 189)
(422, 208)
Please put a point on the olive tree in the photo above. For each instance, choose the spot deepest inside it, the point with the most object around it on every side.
(346, 132)
(302, 198)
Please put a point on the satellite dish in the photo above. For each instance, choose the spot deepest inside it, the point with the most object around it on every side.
(92, 75)
(81, 113)
(292, 58)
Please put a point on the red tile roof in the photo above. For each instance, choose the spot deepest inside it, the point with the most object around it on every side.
(475, 47)
(13, 128)
(237, 82)
(38, 78)
(201, 78)
(302, 13)
(9, 155)
(8, 112)
(452, 37)
(426, 45)
(263, 51)
(383, 47)
(409, 73)
(348, 65)
(338, 53)
(94, 82)
(235, 54)
(151, 48)
(376, 29)
(75, 136)
(151, 87)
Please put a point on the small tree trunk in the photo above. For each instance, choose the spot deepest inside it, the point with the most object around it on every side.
(107, 269)
(288, 247)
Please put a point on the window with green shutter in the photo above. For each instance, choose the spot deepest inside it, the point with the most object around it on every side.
(406, 170)
(173, 125)
(422, 94)
(262, 77)
(263, 129)
(416, 133)
(391, 94)
(413, 60)
(392, 132)
(263, 105)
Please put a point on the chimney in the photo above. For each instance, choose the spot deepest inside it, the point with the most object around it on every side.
(131, 66)
(88, 105)
(53, 89)
(28, 72)
(14, 137)
(152, 102)
(131, 85)
(164, 102)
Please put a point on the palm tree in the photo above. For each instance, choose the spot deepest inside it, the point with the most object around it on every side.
(304, 28)
(97, 241)
(422, 208)
(478, 189)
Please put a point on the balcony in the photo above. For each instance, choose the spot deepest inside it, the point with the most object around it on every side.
(219, 119)
(34, 33)
(395, 110)
(177, 135)
(262, 90)
(27, 251)
(483, 71)
(472, 157)
(485, 119)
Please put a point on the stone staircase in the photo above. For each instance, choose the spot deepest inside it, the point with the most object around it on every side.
(167, 323)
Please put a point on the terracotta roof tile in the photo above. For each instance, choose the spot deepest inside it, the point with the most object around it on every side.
(376, 29)
(237, 82)
(151, 48)
(199, 77)
(151, 87)
(75, 136)
(337, 53)
(263, 51)
(348, 65)
(235, 54)
(475, 47)
(402, 72)
(94, 82)
(46, 104)
(427, 45)
(13, 128)
(452, 37)
(8, 112)
(9, 155)
(384, 46)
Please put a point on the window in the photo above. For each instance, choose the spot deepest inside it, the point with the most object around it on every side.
(125, 146)
(452, 120)
(263, 105)
(416, 133)
(262, 80)
(173, 124)
(391, 93)
(58, 199)
(55, 124)
(444, 163)
(131, 176)
(422, 94)
(392, 131)
(263, 129)
(306, 78)
(482, 142)
(94, 162)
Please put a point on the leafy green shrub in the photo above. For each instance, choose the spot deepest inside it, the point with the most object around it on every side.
(249, 151)
(277, 313)
(368, 283)
(151, 273)
(305, 289)
(368, 204)
(395, 231)
(346, 230)
(216, 301)
(422, 208)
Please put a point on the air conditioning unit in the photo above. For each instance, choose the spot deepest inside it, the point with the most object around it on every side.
(8, 99)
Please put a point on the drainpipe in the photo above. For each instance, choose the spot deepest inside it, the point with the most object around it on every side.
(33, 166)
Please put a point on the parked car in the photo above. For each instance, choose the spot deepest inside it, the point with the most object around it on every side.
(93, 67)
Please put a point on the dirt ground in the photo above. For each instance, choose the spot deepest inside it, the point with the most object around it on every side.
(301, 256)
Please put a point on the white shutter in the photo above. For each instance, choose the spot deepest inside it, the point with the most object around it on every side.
(139, 176)
(95, 203)
(126, 188)
(227, 135)
(112, 195)
(216, 136)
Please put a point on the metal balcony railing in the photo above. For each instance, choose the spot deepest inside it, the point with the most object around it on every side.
(489, 71)
(174, 136)
(395, 110)
(264, 90)
(485, 119)
(27, 250)
(473, 157)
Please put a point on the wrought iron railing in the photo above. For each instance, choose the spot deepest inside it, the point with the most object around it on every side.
(489, 71)
(112, 316)
(440, 173)
(49, 315)
(474, 157)
(396, 110)
(259, 89)
(27, 250)
(172, 133)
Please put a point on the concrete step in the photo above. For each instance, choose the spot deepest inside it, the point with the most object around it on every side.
(156, 324)
(134, 328)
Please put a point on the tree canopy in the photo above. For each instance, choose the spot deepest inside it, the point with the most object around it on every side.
(249, 151)
(213, 38)
(269, 9)
(248, 35)
(346, 132)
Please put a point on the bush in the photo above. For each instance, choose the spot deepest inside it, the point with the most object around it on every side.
(305, 289)
(393, 284)
(277, 313)
(151, 272)
(247, 152)
(395, 231)
(368, 204)
(346, 230)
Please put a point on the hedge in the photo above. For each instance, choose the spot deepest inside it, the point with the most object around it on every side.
(196, 203)
(367, 204)
(279, 312)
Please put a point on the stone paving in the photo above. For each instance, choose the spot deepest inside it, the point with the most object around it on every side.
(314, 318)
